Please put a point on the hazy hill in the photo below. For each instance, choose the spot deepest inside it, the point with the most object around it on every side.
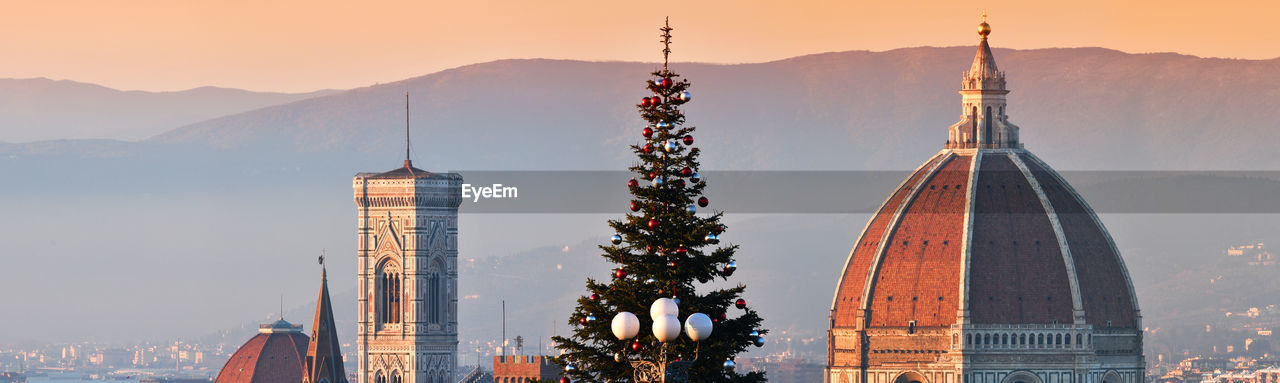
(42, 109)
(825, 111)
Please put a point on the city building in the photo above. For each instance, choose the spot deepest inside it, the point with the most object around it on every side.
(407, 234)
(523, 368)
(273, 355)
(280, 352)
(984, 266)
(324, 354)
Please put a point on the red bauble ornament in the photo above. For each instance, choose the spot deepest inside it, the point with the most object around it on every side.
(686, 172)
(741, 303)
(648, 132)
(724, 316)
(653, 223)
(564, 379)
(648, 148)
(595, 297)
(678, 183)
(619, 273)
(688, 140)
(633, 183)
(646, 102)
(636, 346)
(653, 174)
(666, 83)
(656, 101)
(635, 206)
(703, 202)
(682, 251)
(583, 320)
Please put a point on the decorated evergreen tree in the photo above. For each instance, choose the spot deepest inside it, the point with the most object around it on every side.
(666, 255)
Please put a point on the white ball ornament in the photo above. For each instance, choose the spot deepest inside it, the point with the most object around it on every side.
(670, 146)
(625, 325)
(698, 326)
(666, 328)
(664, 306)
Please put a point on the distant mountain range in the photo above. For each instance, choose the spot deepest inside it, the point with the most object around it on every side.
(248, 195)
(849, 110)
(37, 109)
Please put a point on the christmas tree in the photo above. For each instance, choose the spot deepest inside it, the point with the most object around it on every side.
(666, 254)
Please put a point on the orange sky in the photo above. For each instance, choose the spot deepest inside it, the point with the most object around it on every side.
(293, 45)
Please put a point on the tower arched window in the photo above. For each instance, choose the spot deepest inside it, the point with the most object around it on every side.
(435, 305)
(389, 285)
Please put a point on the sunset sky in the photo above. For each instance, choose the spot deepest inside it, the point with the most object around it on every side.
(307, 45)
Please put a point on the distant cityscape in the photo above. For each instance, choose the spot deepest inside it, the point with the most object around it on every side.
(1243, 351)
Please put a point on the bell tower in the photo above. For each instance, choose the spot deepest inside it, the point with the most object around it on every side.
(407, 254)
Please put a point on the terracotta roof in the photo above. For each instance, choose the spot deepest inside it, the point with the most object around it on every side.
(273, 355)
(1018, 273)
(405, 172)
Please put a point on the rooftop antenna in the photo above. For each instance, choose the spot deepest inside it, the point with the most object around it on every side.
(407, 163)
(281, 306)
(504, 326)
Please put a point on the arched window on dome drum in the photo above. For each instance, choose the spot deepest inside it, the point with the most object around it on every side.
(1040, 339)
(968, 339)
(1004, 339)
(1059, 339)
(1022, 339)
(1078, 340)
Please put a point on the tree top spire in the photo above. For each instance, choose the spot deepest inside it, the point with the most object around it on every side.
(666, 41)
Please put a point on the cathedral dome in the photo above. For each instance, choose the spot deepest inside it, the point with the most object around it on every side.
(275, 354)
(984, 266)
(987, 236)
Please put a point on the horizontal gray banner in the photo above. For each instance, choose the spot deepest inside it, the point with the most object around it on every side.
(855, 192)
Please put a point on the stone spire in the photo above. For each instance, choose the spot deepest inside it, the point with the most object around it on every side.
(324, 356)
(983, 122)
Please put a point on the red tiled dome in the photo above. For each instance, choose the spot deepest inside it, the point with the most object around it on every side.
(274, 355)
(996, 230)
